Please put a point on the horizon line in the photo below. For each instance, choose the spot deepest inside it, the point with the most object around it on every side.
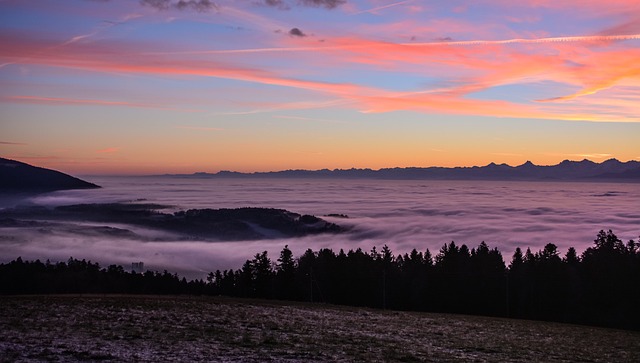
(255, 173)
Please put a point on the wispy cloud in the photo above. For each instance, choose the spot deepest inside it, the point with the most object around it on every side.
(267, 107)
(382, 7)
(199, 128)
(61, 101)
(585, 38)
(102, 27)
(309, 119)
(69, 101)
(78, 38)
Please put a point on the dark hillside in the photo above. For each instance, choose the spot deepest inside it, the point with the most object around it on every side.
(20, 177)
(203, 329)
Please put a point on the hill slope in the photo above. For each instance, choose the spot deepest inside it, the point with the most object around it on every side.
(170, 328)
(16, 176)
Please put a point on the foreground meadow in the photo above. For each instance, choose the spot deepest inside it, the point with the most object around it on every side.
(161, 328)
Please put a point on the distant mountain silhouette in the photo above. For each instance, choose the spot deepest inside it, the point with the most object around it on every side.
(20, 177)
(610, 170)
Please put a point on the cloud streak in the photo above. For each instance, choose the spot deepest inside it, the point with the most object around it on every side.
(586, 38)
(382, 7)
(37, 100)
(199, 128)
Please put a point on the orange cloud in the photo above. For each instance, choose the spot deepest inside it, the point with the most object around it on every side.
(601, 71)
(461, 106)
(570, 64)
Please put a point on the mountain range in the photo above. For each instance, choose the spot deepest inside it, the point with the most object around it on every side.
(16, 176)
(586, 170)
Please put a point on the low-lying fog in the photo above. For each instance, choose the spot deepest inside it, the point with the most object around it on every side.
(402, 214)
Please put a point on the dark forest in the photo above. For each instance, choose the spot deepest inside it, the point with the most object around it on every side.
(599, 287)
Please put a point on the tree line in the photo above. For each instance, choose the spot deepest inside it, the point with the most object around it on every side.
(601, 286)
(75, 276)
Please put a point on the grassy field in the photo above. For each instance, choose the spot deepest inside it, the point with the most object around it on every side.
(158, 328)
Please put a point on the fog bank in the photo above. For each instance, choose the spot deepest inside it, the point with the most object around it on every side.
(401, 214)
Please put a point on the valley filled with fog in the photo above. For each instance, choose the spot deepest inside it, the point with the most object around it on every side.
(401, 214)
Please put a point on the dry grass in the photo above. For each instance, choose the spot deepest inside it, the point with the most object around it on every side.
(153, 328)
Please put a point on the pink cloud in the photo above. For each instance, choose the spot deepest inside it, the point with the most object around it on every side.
(592, 5)
(476, 64)
(119, 57)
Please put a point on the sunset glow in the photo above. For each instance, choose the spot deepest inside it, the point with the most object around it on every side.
(143, 87)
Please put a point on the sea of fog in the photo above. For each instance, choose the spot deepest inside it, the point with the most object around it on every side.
(401, 214)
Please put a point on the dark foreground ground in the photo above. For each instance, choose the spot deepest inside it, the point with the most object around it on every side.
(158, 328)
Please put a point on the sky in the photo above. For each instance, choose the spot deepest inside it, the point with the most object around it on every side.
(182, 86)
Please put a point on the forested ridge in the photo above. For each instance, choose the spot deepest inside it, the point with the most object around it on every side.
(599, 287)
